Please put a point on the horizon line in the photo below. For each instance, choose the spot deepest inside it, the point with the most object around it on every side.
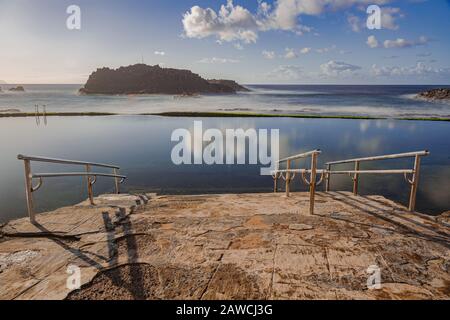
(265, 84)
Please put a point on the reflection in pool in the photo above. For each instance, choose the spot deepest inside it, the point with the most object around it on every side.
(141, 146)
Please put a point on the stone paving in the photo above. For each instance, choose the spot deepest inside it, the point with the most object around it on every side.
(230, 246)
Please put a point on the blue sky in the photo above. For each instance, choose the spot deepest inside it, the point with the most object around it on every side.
(284, 41)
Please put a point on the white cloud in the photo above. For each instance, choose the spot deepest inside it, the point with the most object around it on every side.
(388, 17)
(238, 46)
(160, 53)
(290, 53)
(234, 22)
(325, 50)
(372, 42)
(231, 23)
(286, 72)
(335, 68)
(397, 43)
(390, 57)
(403, 43)
(268, 54)
(420, 69)
(305, 50)
(355, 23)
(218, 60)
(424, 55)
(286, 12)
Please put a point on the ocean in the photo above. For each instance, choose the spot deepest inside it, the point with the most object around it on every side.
(373, 101)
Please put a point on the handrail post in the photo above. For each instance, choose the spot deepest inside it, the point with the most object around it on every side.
(29, 191)
(414, 184)
(355, 179)
(276, 177)
(89, 186)
(327, 178)
(312, 184)
(116, 180)
(288, 177)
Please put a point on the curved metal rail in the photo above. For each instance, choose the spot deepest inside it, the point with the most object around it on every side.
(77, 174)
(91, 177)
(64, 161)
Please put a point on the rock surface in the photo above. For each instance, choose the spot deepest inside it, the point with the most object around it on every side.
(18, 89)
(229, 83)
(144, 79)
(435, 94)
(227, 247)
(300, 227)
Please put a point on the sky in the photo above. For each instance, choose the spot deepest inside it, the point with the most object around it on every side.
(252, 42)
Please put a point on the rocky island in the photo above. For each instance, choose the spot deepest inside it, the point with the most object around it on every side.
(145, 79)
(435, 94)
(18, 89)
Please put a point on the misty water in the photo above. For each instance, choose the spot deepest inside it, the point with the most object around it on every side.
(141, 146)
(374, 101)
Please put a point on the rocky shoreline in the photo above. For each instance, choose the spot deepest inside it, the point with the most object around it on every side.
(15, 89)
(9, 113)
(435, 94)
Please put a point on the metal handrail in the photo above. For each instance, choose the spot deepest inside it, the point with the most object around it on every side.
(297, 171)
(63, 161)
(300, 156)
(385, 157)
(312, 182)
(77, 174)
(91, 177)
(414, 181)
(399, 171)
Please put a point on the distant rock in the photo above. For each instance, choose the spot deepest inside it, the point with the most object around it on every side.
(9, 110)
(435, 94)
(230, 83)
(18, 89)
(144, 79)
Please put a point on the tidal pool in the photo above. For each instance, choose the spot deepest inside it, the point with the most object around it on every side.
(141, 146)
